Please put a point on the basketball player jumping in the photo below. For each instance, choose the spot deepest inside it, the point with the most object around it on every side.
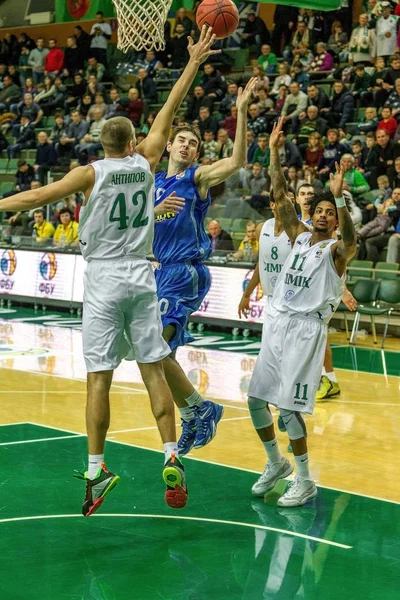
(116, 231)
(181, 246)
(306, 295)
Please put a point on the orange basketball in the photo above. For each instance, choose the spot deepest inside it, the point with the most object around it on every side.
(221, 15)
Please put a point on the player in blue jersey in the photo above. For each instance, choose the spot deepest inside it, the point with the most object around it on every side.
(181, 246)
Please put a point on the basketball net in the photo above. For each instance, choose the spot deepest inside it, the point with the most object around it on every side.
(141, 23)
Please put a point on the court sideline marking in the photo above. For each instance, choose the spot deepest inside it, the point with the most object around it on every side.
(183, 518)
(326, 487)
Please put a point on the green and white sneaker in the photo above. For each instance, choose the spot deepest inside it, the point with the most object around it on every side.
(96, 489)
(271, 474)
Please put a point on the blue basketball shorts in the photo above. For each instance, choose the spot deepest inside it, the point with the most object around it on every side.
(181, 288)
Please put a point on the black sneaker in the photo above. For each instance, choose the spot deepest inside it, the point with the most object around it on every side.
(96, 489)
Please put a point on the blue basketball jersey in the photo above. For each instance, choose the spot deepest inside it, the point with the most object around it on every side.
(179, 237)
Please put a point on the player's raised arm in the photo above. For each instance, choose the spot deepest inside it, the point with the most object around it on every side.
(345, 248)
(284, 206)
(153, 146)
(211, 175)
(80, 179)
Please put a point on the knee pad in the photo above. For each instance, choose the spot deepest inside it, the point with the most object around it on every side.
(259, 412)
(294, 423)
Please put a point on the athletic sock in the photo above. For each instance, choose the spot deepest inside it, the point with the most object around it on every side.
(302, 466)
(195, 399)
(94, 462)
(332, 376)
(169, 449)
(272, 450)
(187, 413)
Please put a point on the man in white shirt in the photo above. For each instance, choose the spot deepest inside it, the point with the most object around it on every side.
(101, 33)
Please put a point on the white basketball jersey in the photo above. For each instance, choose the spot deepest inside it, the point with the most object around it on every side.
(309, 284)
(273, 252)
(118, 219)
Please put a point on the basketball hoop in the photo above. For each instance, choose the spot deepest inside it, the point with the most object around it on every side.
(141, 24)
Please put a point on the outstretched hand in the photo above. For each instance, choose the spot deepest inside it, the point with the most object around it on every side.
(277, 133)
(245, 94)
(336, 181)
(202, 50)
(244, 307)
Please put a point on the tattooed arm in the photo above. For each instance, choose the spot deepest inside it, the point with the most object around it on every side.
(346, 248)
(284, 206)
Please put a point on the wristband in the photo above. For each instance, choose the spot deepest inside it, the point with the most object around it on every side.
(340, 202)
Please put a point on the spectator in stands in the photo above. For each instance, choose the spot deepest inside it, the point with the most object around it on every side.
(46, 157)
(301, 34)
(220, 239)
(256, 123)
(213, 82)
(262, 79)
(374, 236)
(47, 95)
(354, 181)
(337, 42)
(57, 101)
(255, 181)
(23, 66)
(74, 60)
(23, 178)
(98, 103)
(303, 56)
(395, 180)
(85, 104)
(13, 73)
(310, 122)
(229, 99)
(36, 61)
(388, 123)
(83, 40)
(300, 76)
(389, 81)
(101, 33)
(114, 107)
(152, 64)
(261, 154)
(362, 82)
(206, 121)
(255, 32)
(317, 97)
(332, 154)
(283, 78)
(323, 60)
(54, 60)
(90, 143)
(386, 32)
(24, 140)
(149, 122)
(285, 18)
(94, 86)
(393, 101)
(314, 150)
(369, 123)
(147, 87)
(178, 51)
(66, 234)
(30, 109)
(250, 240)
(44, 231)
(25, 40)
(59, 129)
(264, 103)
(76, 92)
(280, 100)
(361, 42)
(295, 104)
(251, 145)
(342, 107)
(295, 178)
(134, 106)
(182, 19)
(393, 253)
(230, 123)
(387, 152)
(94, 67)
(9, 94)
(195, 102)
(224, 147)
(267, 59)
(208, 153)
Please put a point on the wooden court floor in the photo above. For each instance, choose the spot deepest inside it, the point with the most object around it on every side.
(224, 544)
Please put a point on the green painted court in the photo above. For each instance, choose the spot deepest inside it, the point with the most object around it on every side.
(223, 545)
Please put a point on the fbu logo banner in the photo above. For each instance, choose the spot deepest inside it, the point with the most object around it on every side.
(8, 266)
(47, 270)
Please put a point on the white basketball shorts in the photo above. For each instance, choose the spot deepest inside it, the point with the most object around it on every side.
(120, 314)
(289, 366)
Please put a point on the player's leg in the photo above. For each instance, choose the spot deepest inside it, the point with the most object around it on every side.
(301, 366)
(265, 387)
(328, 385)
(181, 290)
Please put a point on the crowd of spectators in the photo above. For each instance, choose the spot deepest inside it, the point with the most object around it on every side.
(337, 86)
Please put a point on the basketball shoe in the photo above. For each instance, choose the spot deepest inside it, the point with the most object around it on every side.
(208, 416)
(327, 389)
(271, 474)
(188, 436)
(299, 491)
(174, 477)
(96, 489)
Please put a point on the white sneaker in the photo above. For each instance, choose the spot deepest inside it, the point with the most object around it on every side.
(271, 474)
(298, 492)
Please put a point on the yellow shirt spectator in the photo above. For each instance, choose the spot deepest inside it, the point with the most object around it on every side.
(65, 235)
(253, 243)
(250, 239)
(44, 230)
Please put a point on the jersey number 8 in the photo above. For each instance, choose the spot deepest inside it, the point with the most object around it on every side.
(119, 215)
